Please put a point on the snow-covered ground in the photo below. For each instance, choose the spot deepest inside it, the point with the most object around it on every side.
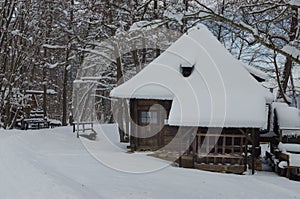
(55, 164)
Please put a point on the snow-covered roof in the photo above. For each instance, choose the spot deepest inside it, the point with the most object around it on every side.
(294, 159)
(289, 147)
(288, 117)
(292, 150)
(257, 72)
(220, 92)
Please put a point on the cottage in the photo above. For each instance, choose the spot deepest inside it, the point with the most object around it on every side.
(197, 89)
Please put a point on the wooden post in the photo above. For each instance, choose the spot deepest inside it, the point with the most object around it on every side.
(223, 148)
(280, 135)
(77, 129)
(232, 145)
(194, 151)
(246, 151)
(197, 144)
(197, 149)
(215, 148)
(180, 159)
(241, 144)
(253, 152)
(288, 173)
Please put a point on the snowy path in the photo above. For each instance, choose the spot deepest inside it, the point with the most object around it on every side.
(54, 164)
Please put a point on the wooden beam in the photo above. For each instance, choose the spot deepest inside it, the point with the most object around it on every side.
(253, 152)
(246, 154)
(194, 151)
(218, 135)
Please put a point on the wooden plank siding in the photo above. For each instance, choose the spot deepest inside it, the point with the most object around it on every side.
(160, 139)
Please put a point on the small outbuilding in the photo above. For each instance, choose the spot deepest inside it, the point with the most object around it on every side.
(284, 153)
(198, 99)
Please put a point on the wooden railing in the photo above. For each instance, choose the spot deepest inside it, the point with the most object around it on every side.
(216, 149)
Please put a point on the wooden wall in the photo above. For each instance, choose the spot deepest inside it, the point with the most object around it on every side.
(161, 138)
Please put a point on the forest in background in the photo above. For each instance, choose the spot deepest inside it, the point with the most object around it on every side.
(43, 43)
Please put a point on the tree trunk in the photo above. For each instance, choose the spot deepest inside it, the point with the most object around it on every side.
(289, 62)
(155, 8)
(66, 68)
(7, 114)
(126, 119)
(220, 26)
(184, 20)
(120, 107)
(45, 92)
(64, 100)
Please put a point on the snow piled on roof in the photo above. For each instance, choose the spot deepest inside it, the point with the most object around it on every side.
(257, 72)
(288, 117)
(220, 92)
(292, 150)
(294, 159)
(287, 147)
(294, 2)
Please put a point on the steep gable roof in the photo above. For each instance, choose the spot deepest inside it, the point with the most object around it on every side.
(220, 92)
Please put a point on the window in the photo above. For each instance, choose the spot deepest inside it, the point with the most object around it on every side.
(149, 117)
(186, 71)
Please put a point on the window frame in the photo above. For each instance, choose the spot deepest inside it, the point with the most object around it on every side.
(148, 117)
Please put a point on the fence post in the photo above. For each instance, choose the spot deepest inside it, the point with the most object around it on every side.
(77, 129)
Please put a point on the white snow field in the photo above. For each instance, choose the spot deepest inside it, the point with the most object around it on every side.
(53, 163)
